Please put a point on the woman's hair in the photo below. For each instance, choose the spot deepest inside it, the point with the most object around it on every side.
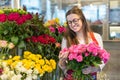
(71, 35)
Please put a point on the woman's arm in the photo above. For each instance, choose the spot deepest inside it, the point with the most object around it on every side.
(63, 43)
(63, 57)
(100, 42)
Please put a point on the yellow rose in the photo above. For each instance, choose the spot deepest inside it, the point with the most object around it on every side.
(15, 58)
(47, 62)
(49, 69)
(57, 20)
(45, 67)
(41, 62)
(26, 54)
(53, 63)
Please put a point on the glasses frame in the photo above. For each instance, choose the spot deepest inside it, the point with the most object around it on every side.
(75, 21)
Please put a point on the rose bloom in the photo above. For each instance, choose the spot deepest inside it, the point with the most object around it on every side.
(3, 43)
(21, 20)
(57, 44)
(11, 45)
(13, 16)
(1, 71)
(52, 29)
(28, 16)
(61, 29)
(3, 17)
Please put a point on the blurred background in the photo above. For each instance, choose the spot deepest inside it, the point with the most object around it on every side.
(103, 16)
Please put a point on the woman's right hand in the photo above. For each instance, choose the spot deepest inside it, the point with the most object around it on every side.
(62, 60)
(62, 64)
(63, 55)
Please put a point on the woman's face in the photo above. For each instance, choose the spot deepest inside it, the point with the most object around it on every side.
(74, 22)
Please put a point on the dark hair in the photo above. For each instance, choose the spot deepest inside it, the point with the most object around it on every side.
(71, 35)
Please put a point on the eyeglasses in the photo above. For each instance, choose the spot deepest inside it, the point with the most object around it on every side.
(75, 21)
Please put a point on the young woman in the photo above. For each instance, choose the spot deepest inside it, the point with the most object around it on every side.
(78, 32)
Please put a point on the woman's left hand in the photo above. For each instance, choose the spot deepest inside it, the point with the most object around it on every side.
(90, 69)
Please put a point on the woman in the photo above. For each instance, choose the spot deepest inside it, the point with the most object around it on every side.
(78, 32)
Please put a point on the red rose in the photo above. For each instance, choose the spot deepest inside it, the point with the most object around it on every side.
(52, 40)
(28, 16)
(28, 39)
(34, 39)
(1, 71)
(43, 39)
(21, 20)
(3, 17)
(13, 16)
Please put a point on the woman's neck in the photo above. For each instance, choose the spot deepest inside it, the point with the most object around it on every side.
(80, 36)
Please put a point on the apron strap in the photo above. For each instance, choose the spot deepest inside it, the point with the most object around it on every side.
(93, 38)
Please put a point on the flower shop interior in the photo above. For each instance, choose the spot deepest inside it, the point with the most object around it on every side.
(103, 16)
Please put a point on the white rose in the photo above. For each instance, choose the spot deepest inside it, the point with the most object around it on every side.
(11, 45)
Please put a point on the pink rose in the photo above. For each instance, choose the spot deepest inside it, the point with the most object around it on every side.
(61, 29)
(72, 56)
(52, 29)
(86, 54)
(105, 57)
(79, 58)
(3, 43)
(65, 50)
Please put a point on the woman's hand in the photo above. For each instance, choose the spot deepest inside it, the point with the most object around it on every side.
(90, 69)
(62, 60)
(62, 63)
(63, 55)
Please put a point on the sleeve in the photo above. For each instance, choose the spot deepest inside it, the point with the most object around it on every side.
(64, 43)
(100, 42)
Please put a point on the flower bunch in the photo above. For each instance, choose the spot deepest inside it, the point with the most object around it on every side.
(47, 43)
(14, 25)
(27, 68)
(55, 29)
(43, 44)
(83, 55)
(5, 48)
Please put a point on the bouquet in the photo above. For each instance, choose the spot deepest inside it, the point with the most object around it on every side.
(83, 55)
(29, 67)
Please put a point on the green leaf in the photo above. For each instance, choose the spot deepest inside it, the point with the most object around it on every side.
(14, 39)
(5, 32)
(21, 44)
(95, 64)
(40, 48)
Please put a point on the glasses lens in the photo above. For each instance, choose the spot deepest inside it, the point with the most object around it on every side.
(74, 21)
